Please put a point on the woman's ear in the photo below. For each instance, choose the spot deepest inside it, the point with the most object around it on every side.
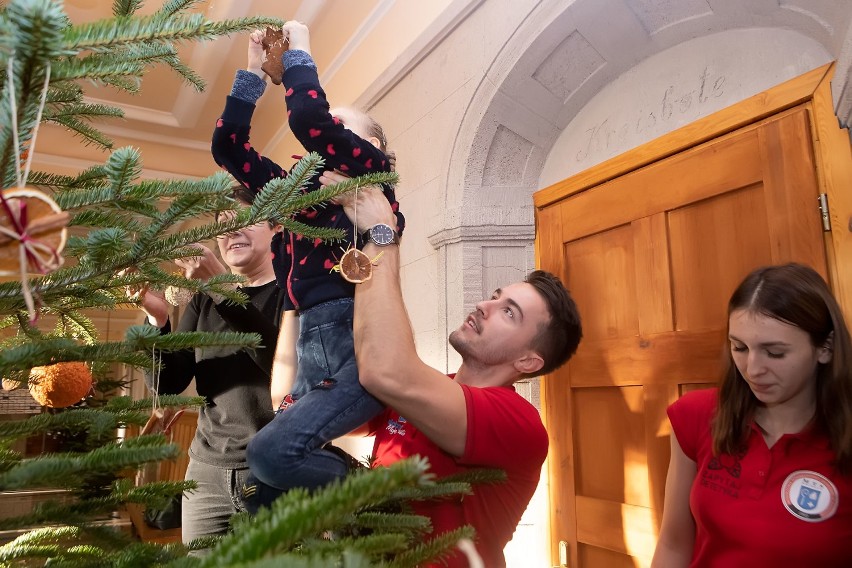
(827, 349)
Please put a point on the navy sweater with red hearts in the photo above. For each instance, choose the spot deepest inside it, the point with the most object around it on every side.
(303, 266)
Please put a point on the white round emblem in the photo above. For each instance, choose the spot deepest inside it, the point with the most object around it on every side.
(809, 496)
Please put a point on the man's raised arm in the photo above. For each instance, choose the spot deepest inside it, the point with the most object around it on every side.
(388, 364)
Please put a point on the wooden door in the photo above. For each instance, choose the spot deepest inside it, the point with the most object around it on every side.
(652, 258)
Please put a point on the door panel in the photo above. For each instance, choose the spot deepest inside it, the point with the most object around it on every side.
(651, 258)
(605, 274)
(725, 165)
(707, 238)
(606, 475)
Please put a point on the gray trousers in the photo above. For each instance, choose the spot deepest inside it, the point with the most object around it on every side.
(207, 510)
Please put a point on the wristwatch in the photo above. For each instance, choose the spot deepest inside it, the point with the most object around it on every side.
(381, 234)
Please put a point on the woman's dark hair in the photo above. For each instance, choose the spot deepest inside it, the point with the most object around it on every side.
(796, 295)
(558, 338)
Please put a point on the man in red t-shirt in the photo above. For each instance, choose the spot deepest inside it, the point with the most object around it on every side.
(475, 419)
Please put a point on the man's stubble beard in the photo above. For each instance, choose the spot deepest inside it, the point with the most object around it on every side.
(468, 354)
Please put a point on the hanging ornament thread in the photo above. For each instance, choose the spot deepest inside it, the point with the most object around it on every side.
(355, 266)
(28, 213)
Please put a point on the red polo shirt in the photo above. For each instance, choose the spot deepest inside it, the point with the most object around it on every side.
(504, 431)
(781, 506)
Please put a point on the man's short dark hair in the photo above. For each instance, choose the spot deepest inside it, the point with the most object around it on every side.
(557, 339)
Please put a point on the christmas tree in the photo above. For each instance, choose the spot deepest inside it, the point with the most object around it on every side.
(123, 233)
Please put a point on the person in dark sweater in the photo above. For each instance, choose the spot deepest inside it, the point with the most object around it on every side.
(326, 400)
(234, 381)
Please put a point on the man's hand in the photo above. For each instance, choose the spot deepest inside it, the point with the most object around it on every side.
(256, 54)
(202, 266)
(298, 35)
(370, 208)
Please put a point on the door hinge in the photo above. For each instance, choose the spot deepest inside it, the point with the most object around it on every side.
(563, 554)
(823, 210)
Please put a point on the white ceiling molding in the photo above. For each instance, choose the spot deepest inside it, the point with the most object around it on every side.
(308, 11)
(142, 114)
(432, 36)
(41, 159)
(356, 39)
(121, 132)
(206, 60)
(207, 57)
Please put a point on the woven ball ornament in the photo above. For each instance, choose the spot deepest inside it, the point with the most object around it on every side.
(177, 296)
(60, 385)
(11, 384)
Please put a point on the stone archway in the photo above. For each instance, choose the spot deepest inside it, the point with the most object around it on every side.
(560, 57)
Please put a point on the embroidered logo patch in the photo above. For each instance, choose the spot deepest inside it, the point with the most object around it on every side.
(396, 426)
(286, 403)
(809, 496)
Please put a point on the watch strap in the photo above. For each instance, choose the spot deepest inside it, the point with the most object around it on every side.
(365, 237)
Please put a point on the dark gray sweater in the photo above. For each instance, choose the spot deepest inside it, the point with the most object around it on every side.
(234, 381)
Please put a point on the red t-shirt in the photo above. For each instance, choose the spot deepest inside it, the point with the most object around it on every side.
(504, 431)
(781, 506)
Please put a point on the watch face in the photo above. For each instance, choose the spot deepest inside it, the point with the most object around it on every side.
(381, 235)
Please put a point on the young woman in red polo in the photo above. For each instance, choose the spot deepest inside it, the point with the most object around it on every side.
(761, 468)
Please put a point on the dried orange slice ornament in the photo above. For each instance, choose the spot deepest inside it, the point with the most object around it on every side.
(355, 266)
(33, 221)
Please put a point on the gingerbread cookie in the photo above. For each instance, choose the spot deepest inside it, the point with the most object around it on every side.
(274, 45)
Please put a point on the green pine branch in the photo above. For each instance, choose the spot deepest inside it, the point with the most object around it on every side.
(125, 7)
(186, 73)
(296, 515)
(82, 110)
(392, 521)
(87, 179)
(135, 350)
(90, 135)
(375, 545)
(66, 93)
(128, 30)
(94, 68)
(74, 470)
(172, 7)
(71, 323)
(76, 511)
(432, 550)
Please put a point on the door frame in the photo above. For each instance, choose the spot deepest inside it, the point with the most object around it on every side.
(833, 160)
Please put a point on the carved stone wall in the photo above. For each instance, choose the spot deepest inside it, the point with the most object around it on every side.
(519, 99)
